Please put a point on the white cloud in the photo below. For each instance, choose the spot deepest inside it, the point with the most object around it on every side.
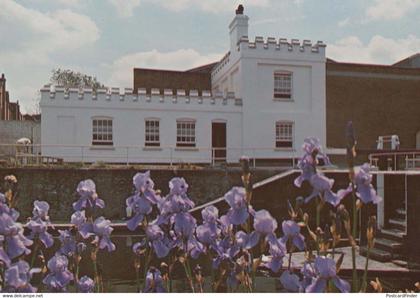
(391, 9)
(122, 69)
(378, 50)
(29, 40)
(125, 7)
(344, 22)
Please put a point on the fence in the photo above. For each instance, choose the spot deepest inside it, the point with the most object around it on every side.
(399, 160)
(37, 154)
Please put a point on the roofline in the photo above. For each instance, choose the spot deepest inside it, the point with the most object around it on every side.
(392, 66)
(171, 70)
(408, 58)
(202, 66)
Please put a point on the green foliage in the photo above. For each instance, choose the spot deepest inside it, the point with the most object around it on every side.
(71, 79)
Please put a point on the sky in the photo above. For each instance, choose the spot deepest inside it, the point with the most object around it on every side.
(108, 38)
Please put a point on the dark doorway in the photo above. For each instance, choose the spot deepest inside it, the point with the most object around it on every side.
(218, 141)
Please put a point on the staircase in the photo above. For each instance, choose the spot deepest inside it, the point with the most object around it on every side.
(389, 243)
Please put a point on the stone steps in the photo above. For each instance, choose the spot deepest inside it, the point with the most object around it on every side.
(397, 223)
(388, 245)
(376, 254)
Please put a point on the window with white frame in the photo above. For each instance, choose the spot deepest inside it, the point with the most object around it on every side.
(151, 136)
(185, 133)
(102, 132)
(284, 134)
(283, 85)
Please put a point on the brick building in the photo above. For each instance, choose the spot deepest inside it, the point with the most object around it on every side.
(263, 98)
(379, 99)
(8, 110)
(197, 78)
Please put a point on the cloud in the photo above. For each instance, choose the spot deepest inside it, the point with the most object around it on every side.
(30, 38)
(125, 8)
(378, 50)
(343, 23)
(121, 69)
(391, 9)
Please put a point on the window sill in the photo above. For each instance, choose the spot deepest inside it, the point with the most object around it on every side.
(283, 99)
(284, 149)
(102, 147)
(186, 149)
(152, 148)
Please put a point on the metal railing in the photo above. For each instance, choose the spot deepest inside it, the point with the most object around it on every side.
(402, 160)
(51, 153)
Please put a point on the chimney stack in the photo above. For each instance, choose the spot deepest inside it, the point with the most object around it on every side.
(238, 27)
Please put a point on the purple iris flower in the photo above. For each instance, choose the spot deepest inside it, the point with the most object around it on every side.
(209, 231)
(14, 239)
(39, 228)
(68, 243)
(88, 196)
(176, 201)
(86, 284)
(145, 186)
(4, 208)
(138, 248)
(78, 219)
(238, 212)
(40, 210)
(158, 240)
(226, 250)
(322, 186)
(18, 277)
(178, 186)
(307, 167)
(184, 224)
(195, 248)
(246, 241)
(277, 252)
(291, 231)
(325, 270)
(290, 281)
(364, 187)
(59, 277)
(141, 207)
(308, 274)
(264, 225)
(3, 255)
(141, 202)
(210, 214)
(312, 147)
(312, 152)
(154, 281)
(101, 229)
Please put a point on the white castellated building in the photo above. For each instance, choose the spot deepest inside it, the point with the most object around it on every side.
(266, 96)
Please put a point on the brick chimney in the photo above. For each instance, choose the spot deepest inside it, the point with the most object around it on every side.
(238, 27)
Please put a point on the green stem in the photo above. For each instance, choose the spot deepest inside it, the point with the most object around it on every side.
(364, 282)
(211, 271)
(35, 252)
(353, 248)
(188, 273)
(138, 279)
(318, 213)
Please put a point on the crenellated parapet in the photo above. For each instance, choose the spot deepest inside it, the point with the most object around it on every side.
(281, 45)
(51, 93)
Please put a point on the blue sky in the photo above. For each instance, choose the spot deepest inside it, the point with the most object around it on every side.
(107, 38)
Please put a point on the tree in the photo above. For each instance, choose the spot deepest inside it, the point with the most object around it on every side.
(71, 79)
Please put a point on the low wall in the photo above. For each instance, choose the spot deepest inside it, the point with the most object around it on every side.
(58, 187)
(11, 131)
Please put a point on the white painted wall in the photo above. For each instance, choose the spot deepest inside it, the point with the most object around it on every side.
(247, 69)
(128, 126)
